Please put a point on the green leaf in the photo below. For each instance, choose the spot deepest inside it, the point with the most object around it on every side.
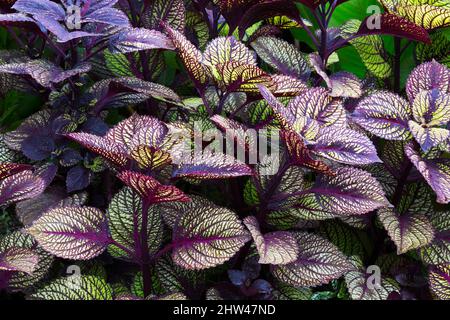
(438, 251)
(287, 292)
(370, 49)
(171, 12)
(22, 280)
(118, 64)
(282, 56)
(76, 287)
(125, 220)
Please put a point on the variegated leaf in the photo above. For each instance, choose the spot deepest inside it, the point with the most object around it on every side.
(227, 49)
(438, 251)
(282, 56)
(21, 186)
(212, 166)
(107, 148)
(370, 48)
(287, 86)
(171, 12)
(436, 173)
(427, 16)
(241, 77)
(150, 189)
(349, 240)
(190, 56)
(384, 114)
(318, 263)
(78, 233)
(125, 222)
(359, 289)
(18, 259)
(428, 76)
(206, 236)
(439, 279)
(351, 192)
(76, 287)
(301, 155)
(345, 145)
(408, 231)
(21, 280)
(431, 109)
(279, 247)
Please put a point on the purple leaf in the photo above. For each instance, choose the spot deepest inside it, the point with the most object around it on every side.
(428, 76)
(17, 20)
(279, 247)
(61, 32)
(41, 7)
(345, 145)
(351, 192)
(436, 172)
(43, 71)
(150, 189)
(21, 186)
(237, 277)
(78, 178)
(131, 40)
(110, 16)
(91, 6)
(395, 25)
(38, 148)
(384, 114)
(212, 166)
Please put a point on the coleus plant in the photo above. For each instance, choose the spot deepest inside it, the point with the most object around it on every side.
(106, 178)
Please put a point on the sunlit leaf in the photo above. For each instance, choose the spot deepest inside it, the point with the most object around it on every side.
(436, 172)
(125, 222)
(206, 236)
(78, 233)
(79, 287)
(150, 189)
(318, 262)
(384, 114)
(408, 231)
(439, 281)
(282, 56)
(278, 247)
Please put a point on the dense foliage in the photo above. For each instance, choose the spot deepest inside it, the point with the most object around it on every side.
(116, 183)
